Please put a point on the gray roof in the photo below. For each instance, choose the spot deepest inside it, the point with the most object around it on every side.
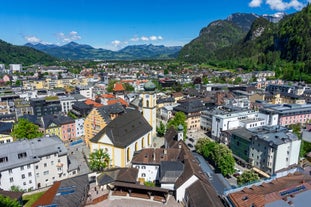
(116, 108)
(125, 129)
(190, 106)
(170, 171)
(34, 149)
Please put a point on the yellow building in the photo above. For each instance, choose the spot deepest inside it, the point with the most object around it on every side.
(5, 138)
(123, 136)
(98, 118)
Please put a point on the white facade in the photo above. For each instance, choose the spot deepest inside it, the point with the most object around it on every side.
(66, 103)
(4, 138)
(149, 110)
(79, 123)
(32, 164)
(271, 119)
(287, 154)
(16, 67)
(87, 92)
(180, 191)
(147, 172)
(229, 121)
(166, 112)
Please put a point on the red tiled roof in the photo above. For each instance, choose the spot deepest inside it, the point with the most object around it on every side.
(120, 100)
(118, 87)
(91, 102)
(48, 197)
(108, 95)
(269, 192)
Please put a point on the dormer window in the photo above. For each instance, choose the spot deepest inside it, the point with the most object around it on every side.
(22, 155)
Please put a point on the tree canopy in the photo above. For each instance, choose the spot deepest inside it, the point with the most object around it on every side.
(161, 129)
(25, 129)
(179, 118)
(99, 160)
(218, 154)
(247, 176)
(8, 202)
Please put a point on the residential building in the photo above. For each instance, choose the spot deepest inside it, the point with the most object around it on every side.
(286, 114)
(268, 148)
(166, 112)
(66, 103)
(123, 136)
(46, 106)
(15, 67)
(85, 91)
(32, 164)
(5, 138)
(192, 108)
(79, 123)
(22, 107)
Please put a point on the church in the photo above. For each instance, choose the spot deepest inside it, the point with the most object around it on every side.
(130, 132)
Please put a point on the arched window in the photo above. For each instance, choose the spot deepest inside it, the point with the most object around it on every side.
(143, 175)
(149, 141)
(136, 146)
(128, 154)
(143, 142)
(147, 103)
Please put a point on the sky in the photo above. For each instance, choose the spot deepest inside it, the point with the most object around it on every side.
(114, 24)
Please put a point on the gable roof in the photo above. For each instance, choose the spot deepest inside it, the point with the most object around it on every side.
(118, 87)
(155, 155)
(125, 129)
(115, 108)
(118, 100)
(93, 103)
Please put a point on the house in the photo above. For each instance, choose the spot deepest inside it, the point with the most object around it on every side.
(123, 136)
(192, 109)
(33, 164)
(45, 106)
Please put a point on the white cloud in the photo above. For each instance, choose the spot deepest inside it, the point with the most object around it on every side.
(116, 42)
(153, 38)
(255, 3)
(280, 5)
(144, 38)
(161, 38)
(134, 39)
(72, 36)
(32, 39)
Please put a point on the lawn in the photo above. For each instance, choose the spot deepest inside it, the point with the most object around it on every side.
(31, 199)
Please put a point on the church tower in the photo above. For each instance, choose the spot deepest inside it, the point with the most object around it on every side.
(149, 104)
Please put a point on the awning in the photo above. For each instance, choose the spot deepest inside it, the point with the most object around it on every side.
(261, 172)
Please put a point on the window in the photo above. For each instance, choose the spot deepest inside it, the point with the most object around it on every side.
(23, 176)
(37, 167)
(24, 183)
(143, 175)
(22, 155)
(45, 165)
(52, 162)
(29, 174)
(48, 157)
(30, 181)
(143, 167)
(28, 166)
(11, 180)
(10, 171)
(46, 172)
(3, 159)
(22, 167)
(37, 174)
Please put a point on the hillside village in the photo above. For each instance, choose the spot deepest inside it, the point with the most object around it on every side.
(264, 121)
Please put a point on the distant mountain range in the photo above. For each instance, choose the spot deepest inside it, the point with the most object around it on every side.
(75, 51)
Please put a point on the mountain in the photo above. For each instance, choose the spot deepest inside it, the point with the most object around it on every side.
(75, 51)
(21, 54)
(216, 35)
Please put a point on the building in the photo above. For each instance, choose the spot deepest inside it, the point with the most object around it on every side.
(124, 135)
(46, 106)
(15, 67)
(227, 120)
(268, 148)
(291, 190)
(286, 114)
(98, 118)
(79, 123)
(22, 107)
(32, 164)
(192, 108)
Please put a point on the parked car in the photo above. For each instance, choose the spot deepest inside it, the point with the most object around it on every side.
(190, 145)
(191, 140)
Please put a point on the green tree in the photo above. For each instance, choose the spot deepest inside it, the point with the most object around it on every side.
(8, 202)
(218, 154)
(99, 160)
(111, 85)
(161, 129)
(15, 188)
(25, 129)
(128, 87)
(179, 118)
(247, 176)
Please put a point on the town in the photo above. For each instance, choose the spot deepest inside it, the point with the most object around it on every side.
(147, 133)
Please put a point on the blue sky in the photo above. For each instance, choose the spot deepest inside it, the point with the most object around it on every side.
(113, 24)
